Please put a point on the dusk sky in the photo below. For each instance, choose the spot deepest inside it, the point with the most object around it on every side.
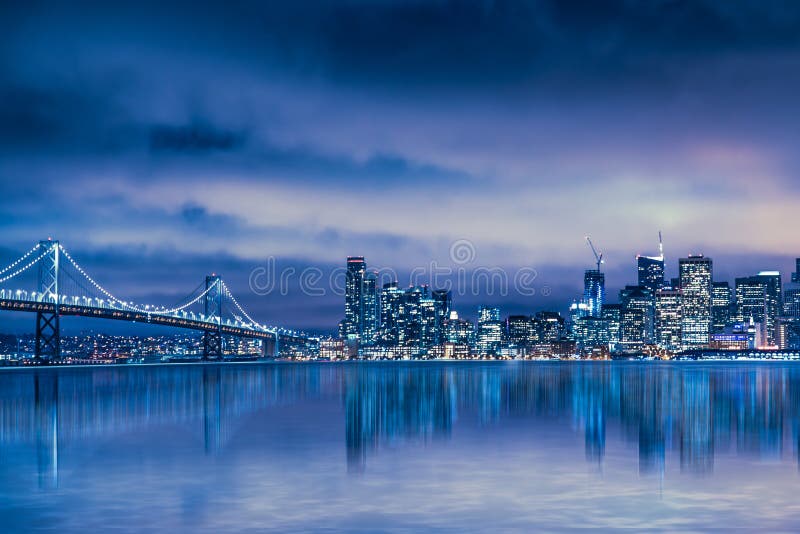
(160, 141)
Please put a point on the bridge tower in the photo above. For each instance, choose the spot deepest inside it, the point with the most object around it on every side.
(48, 329)
(212, 339)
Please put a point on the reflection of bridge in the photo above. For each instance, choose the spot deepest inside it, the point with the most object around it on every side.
(63, 288)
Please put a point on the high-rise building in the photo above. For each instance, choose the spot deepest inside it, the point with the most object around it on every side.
(791, 302)
(370, 309)
(751, 299)
(787, 333)
(613, 314)
(490, 337)
(488, 313)
(520, 331)
(796, 273)
(490, 330)
(668, 319)
(651, 272)
(391, 296)
(632, 329)
(594, 291)
(774, 293)
(442, 305)
(720, 305)
(549, 326)
(759, 298)
(640, 298)
(592, 332)
(459, 331)
(354, 289)
(696, 273)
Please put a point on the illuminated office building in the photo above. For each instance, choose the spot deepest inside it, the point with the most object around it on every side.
(370, 309)
(549, 326)
(411, 323)
(594, 292)
(632, 329)
(592, 332)
(791, 302)
(391, 296)
(668, 319)
(720, 306)
(759, 298)
(354, 289)
(490, 330)
(459, 331)
(650, 272)
(640, 298)
(612, 313)
(488, 313)
(442, 306)
(520, 331)
(695, 283)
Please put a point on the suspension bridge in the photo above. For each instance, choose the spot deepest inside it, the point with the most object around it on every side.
(61, 287)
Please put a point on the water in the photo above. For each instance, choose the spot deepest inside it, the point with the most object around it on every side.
(415, 446)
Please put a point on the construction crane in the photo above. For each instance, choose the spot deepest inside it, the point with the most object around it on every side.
(598, 257)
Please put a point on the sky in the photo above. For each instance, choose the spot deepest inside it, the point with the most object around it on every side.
(160, 141)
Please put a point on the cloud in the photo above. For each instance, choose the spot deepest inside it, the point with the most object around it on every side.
(193, 138)
(389, 129)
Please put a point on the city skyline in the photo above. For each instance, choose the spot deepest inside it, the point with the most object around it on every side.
(222, 137)
(471, 291)
(692, 315)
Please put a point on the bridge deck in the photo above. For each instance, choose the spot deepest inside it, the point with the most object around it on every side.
(138, 317)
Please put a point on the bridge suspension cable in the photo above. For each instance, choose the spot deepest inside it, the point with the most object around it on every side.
(20, 260)
(127, 305)
(25, 268)
(239, 307)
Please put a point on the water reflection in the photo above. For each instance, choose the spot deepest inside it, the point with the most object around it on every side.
(668, 412)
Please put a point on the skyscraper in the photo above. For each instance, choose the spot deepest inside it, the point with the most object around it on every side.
(613, 314)
(488, 313)
(370, 307)
(695, 280)
(520, 328)
(774, 294)
(791, 297)
(651, 272)
(442, 304)
(720, 306)
(391, 296)
(791, 302)
(668, 319)
(459, 331)
(549, 326)
(490, 330)
(354, 287)
(759, 298)
(594, 291)
(632, 329)
(640, 298)
(410, 319)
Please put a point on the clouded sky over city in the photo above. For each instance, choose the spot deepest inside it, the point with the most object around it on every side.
(161, 140)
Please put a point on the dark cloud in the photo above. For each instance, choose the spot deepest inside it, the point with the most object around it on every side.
(393, 128)
(193, 138)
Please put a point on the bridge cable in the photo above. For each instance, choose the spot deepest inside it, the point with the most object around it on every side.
(239, 307)
(128, 305)
(20, 260)
(25, 268)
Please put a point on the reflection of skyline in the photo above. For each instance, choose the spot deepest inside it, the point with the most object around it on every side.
(689, 412)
